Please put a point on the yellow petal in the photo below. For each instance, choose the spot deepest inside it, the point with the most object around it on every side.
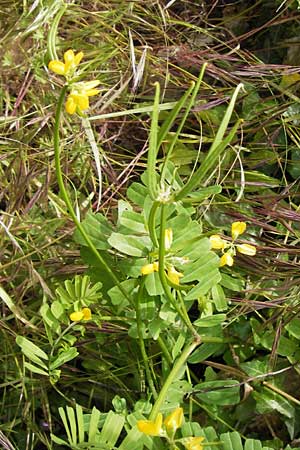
(226, 260)
(81, 100)
(155, 266)
(246, 249)
(173, 275)
(174, 420)
(237, 228)
(87, 314)
(57, 67)
(78, 58)
(147, 269)
(69, 57)
(149, 427)
(76, 316)
(193, 443)
(70, 105)
(216, 242)
(91, 92)
(168, 238)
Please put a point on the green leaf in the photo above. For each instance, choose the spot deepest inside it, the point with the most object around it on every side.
(97, 228)
(219, 298)
(220, 392)
(117, 297)
(229, 282)
(293, 328)
(130, 245)
(63, 357)
(72, 422)
(80, 423)
(137, 193)
(35, 369)
(207, 281)
(204, 352)
(199, 269)
(32, 351)
(133, 221)
(112, 428)
(252, 444)
(57, 440)
(231, 441)
(93, 426)
(268, 401)
(210, 321)
(49, 318)
(202, 194)
(57, 309)
(153, 284)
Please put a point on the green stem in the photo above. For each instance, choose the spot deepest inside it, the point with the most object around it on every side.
(162, 275)
(151, 224)
(67, 200)
(165, 351)
(189, 348)
(141, 340)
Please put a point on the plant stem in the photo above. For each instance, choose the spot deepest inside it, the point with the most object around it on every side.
(67, 200)
(189, 348)
(161, 270)
(141, 340)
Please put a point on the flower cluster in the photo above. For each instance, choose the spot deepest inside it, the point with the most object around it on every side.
(168, 427)
(172, 274)
(78, 99)
(229, 248)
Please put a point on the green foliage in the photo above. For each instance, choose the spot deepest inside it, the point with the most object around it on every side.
(168, 326)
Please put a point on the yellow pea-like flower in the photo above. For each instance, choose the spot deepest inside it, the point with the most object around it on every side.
(173, 275)
(149, 268)
(193, 443)
(237, 228)
(66, 68)
(216, 242)
(246, 249)
(87, 314)
(151, 427)
(83, 314)
(78, 99)
(226, 260)
(174, 421)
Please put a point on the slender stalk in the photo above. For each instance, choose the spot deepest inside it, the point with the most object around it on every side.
(67, 200)
(141, 340)
(151, 224)
(165, 351)
(189, 348)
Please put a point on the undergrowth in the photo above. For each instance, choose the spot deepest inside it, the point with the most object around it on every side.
(130, 287)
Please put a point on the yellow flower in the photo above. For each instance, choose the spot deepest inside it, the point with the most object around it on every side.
(237, 228)
(149, 268)
(217, 242)
(173, 275)
(68, 67)
(246, 249)
(193, 443)
(150, 427)
(168, 238)
(83, 314)
(174, 421)
(226, 260)
(78, 100)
